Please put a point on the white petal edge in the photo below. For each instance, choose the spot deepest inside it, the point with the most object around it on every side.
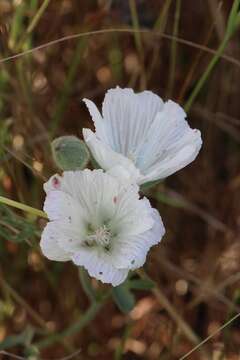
(49, 244)
(59, 206)
(54, 183)
(97, 119)
(133, 216)
(106, 157)
(128, 116)
(99, 268)
(182, 158)
(131, 252)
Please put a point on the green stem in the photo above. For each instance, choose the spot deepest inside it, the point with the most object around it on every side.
(84, 320)
(161, 21)
(136, 26)
(232, 26)
(38, 16)
(67, 86)
(23, 207)
(138, 42)
(34, 22)
(174, 49)
(17, 25)
(119, 353)
(206, 74)
(86, 284)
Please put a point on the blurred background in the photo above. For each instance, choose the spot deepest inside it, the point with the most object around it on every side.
(197, 265)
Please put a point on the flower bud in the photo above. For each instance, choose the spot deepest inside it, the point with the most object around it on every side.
(70, 153)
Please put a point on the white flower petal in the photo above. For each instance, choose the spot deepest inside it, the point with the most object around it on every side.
(97, 266)
(60, 205)
(99, 222)
(131, 252)
(50, 246)
(71, 237)
(97, 119)
(126, 221)
(54, 183)
(142, 134)
(120, 173)
(169, 166)
(127, 117)
(106, 157)
(170, 144)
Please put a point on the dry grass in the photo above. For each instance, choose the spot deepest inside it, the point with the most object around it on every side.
(196, 267)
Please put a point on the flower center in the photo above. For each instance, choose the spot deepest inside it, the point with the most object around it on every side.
(101, 236)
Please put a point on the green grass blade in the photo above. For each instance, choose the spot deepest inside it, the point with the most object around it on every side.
(65, 93)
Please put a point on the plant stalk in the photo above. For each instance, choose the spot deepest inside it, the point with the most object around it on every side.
(23, 207)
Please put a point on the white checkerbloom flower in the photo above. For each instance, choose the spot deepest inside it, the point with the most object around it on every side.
(148, 137)
(99, 223)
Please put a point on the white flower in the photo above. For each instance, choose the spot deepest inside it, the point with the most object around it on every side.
(148, 137)
(99, 223)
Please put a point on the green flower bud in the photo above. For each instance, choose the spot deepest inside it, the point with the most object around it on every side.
(70, 153)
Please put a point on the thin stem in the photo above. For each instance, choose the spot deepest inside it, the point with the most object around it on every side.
(17, 25)
(211, 336)
(13, 356)
(120, 348)
(175, 316)
(37, 16)
(232, 18)
(34, 21)
(206, 74)
(23, 207)
(21, 160)
(138, 41)
(174, 49)
(161, 20)
(193, 68)
(67, 86)
(35, 316)
(84, 320)
(185, 328)
(159, 26)
(86, 284)
(180, 40)
(231, 28)
(136, 26)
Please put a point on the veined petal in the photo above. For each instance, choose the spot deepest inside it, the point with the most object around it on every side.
(142, 134)
(97, 119)
(106, 157)
(99, 222)
(95, 191)
(71, 237)
(177, 161)
(123, 176)
(97, 266)
(131, 252)
(126, 221)
(168, 135)
(50, 246)
(60, 205)
(128, 116)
